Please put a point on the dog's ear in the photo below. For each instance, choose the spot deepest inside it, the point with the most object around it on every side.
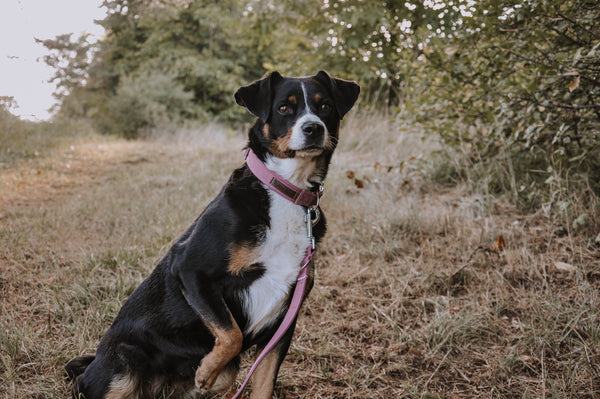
(257, 96)
(345, 92)
(78, 365)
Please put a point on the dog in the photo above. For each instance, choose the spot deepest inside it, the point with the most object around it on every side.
(225, 284)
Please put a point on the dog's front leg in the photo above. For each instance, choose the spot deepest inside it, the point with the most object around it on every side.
(215, 314)
(265, 377)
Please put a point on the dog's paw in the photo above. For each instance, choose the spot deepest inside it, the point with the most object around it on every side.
(205, 378)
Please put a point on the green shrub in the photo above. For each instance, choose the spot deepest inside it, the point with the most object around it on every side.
(143, 102)
(515, 91)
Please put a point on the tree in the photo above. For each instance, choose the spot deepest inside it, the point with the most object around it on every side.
(70, 60)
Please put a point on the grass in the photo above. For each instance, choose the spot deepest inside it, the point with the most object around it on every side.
(411, 299)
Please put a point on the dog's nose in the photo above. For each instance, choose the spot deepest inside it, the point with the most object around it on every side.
(312, 129)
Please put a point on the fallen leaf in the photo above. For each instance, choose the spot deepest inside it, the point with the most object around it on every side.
(414, 351)
(499, 244)
(574, 84)
(350, 174)
(359, 183)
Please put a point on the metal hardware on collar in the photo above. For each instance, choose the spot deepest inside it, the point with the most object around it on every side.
(311, 222)
(320, 190)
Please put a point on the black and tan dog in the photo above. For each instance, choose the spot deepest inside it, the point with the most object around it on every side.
(225, 284)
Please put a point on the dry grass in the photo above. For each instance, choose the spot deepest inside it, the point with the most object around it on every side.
(411, 299)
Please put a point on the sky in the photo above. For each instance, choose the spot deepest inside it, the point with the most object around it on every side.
(23, 73)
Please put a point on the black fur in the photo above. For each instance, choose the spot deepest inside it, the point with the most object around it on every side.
(161, 335)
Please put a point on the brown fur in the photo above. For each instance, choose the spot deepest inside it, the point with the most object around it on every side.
(281, 145)
(240, 258)
(228, 344)
(262, 380)
(225, 380)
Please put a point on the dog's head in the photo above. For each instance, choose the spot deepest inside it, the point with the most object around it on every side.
(298, 117)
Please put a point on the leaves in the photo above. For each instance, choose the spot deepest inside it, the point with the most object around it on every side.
(357, 182)
(574, 84)
(499, 244)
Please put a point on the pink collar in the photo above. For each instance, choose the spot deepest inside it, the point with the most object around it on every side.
(278, 184)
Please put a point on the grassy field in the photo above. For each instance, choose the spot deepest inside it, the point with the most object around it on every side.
(415, 294)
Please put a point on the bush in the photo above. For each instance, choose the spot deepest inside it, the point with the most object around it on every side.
(515, 90)
(143, 102)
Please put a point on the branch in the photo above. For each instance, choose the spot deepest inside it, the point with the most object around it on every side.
(575, 23)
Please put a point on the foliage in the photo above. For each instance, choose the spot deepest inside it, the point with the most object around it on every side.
(511, 86)
(516, 89)
(145, 101)
(23, 140)
(70, 59)
(187, 45)
(212, 47)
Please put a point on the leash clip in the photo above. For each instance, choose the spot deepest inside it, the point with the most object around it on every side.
(313, 214)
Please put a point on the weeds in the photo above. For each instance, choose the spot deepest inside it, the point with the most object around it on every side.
(568, 198)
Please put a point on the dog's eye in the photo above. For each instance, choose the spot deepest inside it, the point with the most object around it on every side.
(325, 108)
(284, 109)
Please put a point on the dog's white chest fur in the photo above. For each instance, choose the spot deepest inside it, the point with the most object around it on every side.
(281, 253)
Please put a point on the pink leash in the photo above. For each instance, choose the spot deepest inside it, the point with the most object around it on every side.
(301, 197)
(287, 320)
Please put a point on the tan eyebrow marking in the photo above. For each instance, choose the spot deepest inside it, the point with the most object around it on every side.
(292, 99)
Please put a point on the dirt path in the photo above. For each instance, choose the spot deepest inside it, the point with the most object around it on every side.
(42, 179)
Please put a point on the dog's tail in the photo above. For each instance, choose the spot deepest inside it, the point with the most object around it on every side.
(77, 366)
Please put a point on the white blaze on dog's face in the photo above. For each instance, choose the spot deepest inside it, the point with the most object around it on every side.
(309, 133)
(299, 119)
(303, 121)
